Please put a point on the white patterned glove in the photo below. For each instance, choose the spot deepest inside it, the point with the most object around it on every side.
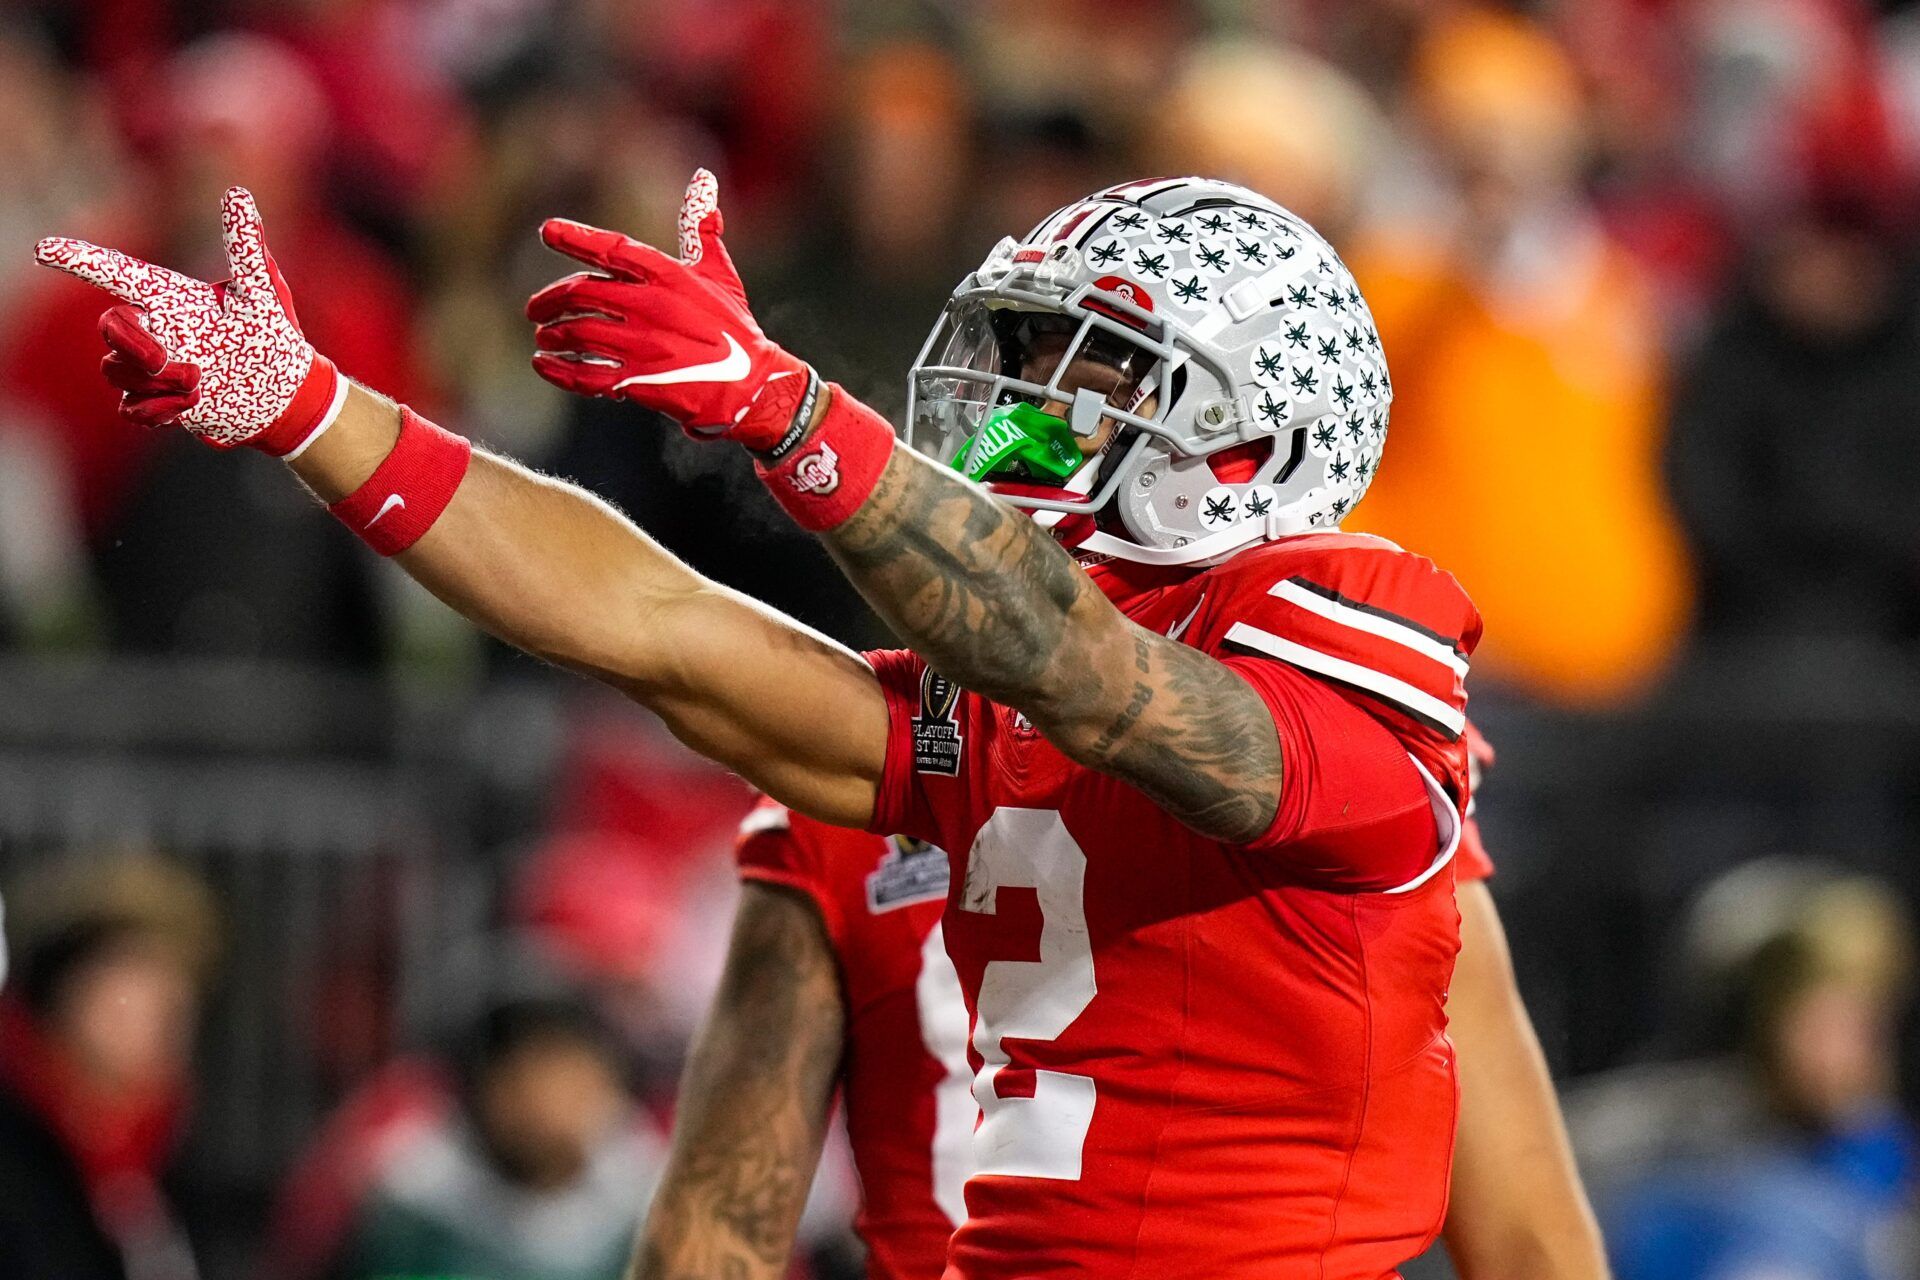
(254, 378)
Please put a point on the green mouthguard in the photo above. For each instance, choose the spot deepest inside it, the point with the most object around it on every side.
(1020, 433)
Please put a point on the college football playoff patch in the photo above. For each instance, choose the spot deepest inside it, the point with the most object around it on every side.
(936, 730)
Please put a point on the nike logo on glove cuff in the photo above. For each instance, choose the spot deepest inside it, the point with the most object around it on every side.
(734, 367)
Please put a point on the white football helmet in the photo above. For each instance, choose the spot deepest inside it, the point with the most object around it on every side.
(1252, 392)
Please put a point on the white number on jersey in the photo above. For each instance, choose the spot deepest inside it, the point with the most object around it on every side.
(943, 1030)
(1041, 1136)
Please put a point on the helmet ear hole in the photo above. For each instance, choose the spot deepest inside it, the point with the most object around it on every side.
(1296, 451)
(1242, 462)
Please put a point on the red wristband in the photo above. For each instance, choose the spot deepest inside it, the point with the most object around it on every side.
(312, 410)
(823, 481)
(406, 493)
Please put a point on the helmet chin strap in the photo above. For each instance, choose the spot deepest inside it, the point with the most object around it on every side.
(1089, 406)
(1078, 483)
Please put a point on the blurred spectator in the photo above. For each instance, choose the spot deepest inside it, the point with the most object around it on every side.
(639, 928)
(96, 1026)
(209, 577)
(1278, 120)
(1098, 60)
(1784, 1151)
(571, 138)
(898, 231)
(539, 1171)
(1527, 409)
(397, 127)
(1638, 62)
(395, 1110)
(1793, 453)
(57, 149)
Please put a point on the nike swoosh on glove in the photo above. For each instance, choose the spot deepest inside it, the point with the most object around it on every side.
(673, 334)
(226, 360)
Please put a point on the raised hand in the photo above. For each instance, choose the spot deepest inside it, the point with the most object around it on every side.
(227, 359)
(673, 334)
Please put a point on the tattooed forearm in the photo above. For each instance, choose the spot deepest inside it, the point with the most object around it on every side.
(978, 589)
(1116, 732)
(992, 602)
(1204, 747)
(753, 1105)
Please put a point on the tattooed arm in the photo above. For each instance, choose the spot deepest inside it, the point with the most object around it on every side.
(990, 601)
(754, 1102)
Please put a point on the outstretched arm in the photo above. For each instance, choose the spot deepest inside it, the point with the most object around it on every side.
(539, 563)
(754, 1102)
(992, 602)
(1518, 1208)
(977, 590)
(553, 570)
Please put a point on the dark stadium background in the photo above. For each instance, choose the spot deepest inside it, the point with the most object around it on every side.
(1646, 274)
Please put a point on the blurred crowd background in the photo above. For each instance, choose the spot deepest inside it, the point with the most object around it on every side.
(346, 944)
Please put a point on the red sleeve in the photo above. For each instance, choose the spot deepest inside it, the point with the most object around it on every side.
(901, 806)
(1354, 812)
(1390, 631)
(1473, 862)
(774, 847)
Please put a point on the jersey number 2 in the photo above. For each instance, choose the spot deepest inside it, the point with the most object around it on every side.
(1039, 1136)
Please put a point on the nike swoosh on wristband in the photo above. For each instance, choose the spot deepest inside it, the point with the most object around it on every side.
(394, 502)
(734, 367)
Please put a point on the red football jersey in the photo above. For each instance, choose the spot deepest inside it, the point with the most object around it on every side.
(1196, 1059)
(905, 1080)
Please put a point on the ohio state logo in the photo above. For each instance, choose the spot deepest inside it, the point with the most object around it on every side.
(1124, 288)
(817, 472)
(1127, 290)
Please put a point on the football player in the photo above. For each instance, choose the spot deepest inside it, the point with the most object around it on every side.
(837, 977)
(860, 974)
(1197, 755)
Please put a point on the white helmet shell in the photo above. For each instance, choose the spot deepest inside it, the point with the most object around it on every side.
(1259, 344)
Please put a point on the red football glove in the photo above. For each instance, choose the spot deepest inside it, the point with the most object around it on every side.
(672, 334)
(154, 388)
(226, 360)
